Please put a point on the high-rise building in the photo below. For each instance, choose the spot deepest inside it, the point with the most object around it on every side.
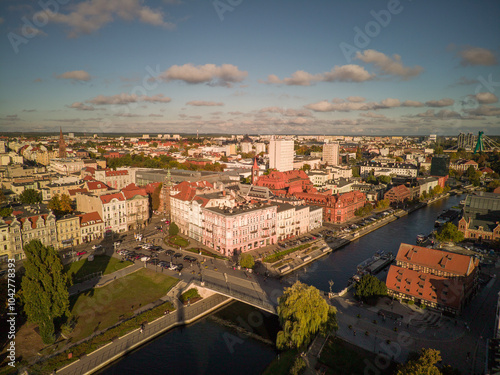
(281, 154)
(62, 145)
(440, 165)
(331, 153)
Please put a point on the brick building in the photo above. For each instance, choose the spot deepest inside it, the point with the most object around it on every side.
(481, 218)
(398, 194)
(439, 279)
(286, 183)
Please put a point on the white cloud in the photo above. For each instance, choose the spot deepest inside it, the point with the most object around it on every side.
(412, 103)
(355, 99)
(344, 73)
(91, 15)
(124, 98)
(471, 56)
(203, 103)
(289, 112)
(442, 114)
(373, 115)
(223, 75)
(341, 106)
(77, 75)
(82, 107)
(440, 103)
(388, 65)
(486, 97)
(389, 103)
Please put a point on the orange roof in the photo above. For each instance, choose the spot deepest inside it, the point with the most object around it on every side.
(96, 185)
(438, 289)
(73, 192)
(116, 173)
(459, 264)
(186, 194)
(108, 197)
(88, 217)
(150, 188)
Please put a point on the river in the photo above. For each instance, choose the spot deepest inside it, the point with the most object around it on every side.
(213, 346)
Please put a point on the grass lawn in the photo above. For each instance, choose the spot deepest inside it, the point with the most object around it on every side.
(281, 254)
(281, 365)
(178, 241)
(344, 358)
(100, 308)
(206, 253)
(101, 263)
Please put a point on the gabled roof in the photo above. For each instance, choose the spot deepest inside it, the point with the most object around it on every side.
(186, 194)
(109, 197)
(441, 260)
(86, 218)
(438, 289)
(96, 185)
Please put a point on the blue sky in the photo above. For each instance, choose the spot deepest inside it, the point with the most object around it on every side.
(241, 66)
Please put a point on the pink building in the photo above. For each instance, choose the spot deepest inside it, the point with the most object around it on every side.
(236, 230)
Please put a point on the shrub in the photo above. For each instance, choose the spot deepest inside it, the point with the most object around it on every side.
(298, 366)
(189, 295)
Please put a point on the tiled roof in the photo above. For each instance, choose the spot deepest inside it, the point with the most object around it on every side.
(108, 197)
(116, 173)
(73, 192)
(438, 289)
(96, 185)
(186, 194)
(459, 264)
(88, 217)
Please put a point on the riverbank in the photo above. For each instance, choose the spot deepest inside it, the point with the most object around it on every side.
(183, 315)
(300, 259)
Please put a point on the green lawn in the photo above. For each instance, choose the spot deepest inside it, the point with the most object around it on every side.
(101, 263)
(178, 241)
(344, 358)
(100, 308)
(281, 254)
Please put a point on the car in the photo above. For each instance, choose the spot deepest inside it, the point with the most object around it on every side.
(138, 248)
(177, 255)
(145, 258)
(180, 266)
(95, 247)
(172, 267)
(81, 253)
(189, 258)
(163, 263)
(169, 252)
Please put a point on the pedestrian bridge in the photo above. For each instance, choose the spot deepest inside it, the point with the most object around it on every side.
(255, 296)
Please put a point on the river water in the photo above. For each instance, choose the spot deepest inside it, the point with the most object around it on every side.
(214, 346)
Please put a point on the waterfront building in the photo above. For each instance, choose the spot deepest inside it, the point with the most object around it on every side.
(232, 231)
(398, 194)
(281, 153)
(462, 165)
(386, 168)
(481, 217)
(435, 278)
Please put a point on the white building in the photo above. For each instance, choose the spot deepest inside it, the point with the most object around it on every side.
(341, 172)
(315, 217)
(331, 153)
(260, 147)
(246, 147)
(281, 154)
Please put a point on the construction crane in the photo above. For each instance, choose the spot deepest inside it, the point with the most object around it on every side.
(483, 141)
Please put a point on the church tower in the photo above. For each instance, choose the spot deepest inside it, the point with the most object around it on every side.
(62, 145)
(255, 171)
(165, 195)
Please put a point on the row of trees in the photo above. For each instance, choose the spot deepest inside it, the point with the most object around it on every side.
(162, 161)
(60, 204)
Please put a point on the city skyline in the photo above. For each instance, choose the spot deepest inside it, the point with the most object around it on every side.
(237, 67)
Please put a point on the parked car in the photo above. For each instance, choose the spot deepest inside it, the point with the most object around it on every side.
(169, 252)
(81, 253)
(177, 255)
(95, 247)
(180, 266)
(145, 258)
(189, 258)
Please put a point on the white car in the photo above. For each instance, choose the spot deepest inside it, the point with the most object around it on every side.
(95, 247)
(145, 259)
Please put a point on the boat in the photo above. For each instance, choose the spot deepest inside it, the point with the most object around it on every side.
(421, 238)
(446, 216)
(372, 265)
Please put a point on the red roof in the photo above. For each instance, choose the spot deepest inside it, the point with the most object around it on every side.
(454, 263)
(150, 188)
(88, 178)
(437, 289)
(96, 185)
(86, 218)
(116, 173)
(186, 194)
(108, 197)
(73, 192)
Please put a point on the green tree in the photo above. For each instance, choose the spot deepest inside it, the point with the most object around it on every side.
(44, 291)
(2, 197)
(303, 312)
(247, 261)
(399, 159)
(384, 180)
(369, 287)
(436, 190)
(359, 154)
(425, 364)
(438, 150)
(298, 366)
(54, 203)
(355, 172)
(306, 167)
(382, 204)
(6, 211)
(30, 196)
(450, 232)
(173, 230)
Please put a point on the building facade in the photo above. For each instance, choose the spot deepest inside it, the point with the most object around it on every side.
(331, 153)
(281, 153)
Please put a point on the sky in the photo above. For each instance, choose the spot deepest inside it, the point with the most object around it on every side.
(393, 67)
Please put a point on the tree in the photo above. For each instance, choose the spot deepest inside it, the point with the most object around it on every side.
(30, 196)
(247, 261)
(155, 198)
(44, 288)
(450, 232)
(355, 172)
(369, 286)
(303, 312)
(173, 230)
(2, 197)
(54, 203)
(66, 204)
(436, 190)
(306, 167)
(359, 155)
(6, 211)
(384, 180)
(382, 204)
(425, 364)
